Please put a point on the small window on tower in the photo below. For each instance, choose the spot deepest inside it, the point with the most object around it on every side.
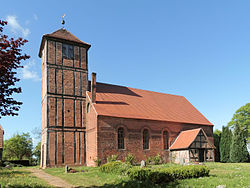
(68, 51)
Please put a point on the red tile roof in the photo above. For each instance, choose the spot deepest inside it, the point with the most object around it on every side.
(185, 139)
(63, 34)
(119, 101)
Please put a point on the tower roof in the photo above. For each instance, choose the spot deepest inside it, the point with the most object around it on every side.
(64, 36)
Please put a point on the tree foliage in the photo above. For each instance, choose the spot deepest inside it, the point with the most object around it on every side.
(37, 152)
(238, 151)
(18, 147)
(217, 137)
(10, 61)
(242, 119)
(225, 142)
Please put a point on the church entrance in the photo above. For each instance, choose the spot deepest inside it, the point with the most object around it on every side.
(201, 155)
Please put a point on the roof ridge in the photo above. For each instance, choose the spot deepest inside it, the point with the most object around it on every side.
(141, 89)
(190, 130)
(75, 36)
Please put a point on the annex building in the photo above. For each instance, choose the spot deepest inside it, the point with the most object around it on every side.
(84, 120)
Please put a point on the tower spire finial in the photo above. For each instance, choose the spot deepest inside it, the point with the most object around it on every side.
(63, 22)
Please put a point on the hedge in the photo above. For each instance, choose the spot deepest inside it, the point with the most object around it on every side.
(17, 162)
(165, 175)
(115, 167)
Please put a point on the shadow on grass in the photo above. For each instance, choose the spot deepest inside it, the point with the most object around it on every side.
(213, 175)
(13, 172)
(25, 186)
(135, 184)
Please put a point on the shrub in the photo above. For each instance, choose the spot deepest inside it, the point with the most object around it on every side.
(225, 142)
(130, 159)
(238, 150)
(112, 158)
(157, 159)
(98, 161)
(149, 160)
(115, 167)
(165, 175)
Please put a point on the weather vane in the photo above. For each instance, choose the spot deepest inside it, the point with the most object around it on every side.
(63, 22)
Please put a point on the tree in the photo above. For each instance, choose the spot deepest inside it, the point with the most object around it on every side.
(217, 137)
(37, 133)
(37, 152)
(238, 151)
(10, 60)
(242, 119)
(225, 142)
(18, 147)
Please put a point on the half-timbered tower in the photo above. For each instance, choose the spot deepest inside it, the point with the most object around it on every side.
(64, 83)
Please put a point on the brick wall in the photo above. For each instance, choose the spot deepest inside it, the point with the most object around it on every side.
(91, 133)
(107, 137)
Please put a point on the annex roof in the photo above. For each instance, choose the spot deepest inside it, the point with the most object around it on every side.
(185, 139)
(125, 102)
(65, 35)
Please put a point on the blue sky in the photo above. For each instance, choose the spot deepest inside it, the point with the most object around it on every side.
(198, 49)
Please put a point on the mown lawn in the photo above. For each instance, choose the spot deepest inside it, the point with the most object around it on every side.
(229, 174)
(19, 177)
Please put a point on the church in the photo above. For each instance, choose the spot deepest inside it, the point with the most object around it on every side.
(84, 120)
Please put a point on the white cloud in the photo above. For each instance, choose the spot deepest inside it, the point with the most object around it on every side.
(28, 73)
(35, 17)
(15, 27)
(27, 22)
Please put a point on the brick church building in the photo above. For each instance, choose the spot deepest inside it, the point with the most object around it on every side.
(86, 120)
(1, 142)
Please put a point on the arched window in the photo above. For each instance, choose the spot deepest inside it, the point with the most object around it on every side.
(120, 138)
(88, 107)
(165, 139)
(145, 139)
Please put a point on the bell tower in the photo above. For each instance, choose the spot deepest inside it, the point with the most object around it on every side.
(64, 84)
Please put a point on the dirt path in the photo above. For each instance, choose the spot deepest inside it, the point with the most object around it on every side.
(52, 180)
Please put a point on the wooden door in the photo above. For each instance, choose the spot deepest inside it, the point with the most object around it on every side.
(201, 155)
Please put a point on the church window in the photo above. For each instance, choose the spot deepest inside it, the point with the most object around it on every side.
(88, 108)
(165, 140)
(68, 51)
(145, 139)
(120, 138)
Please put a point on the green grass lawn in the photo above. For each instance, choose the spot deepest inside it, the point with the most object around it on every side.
(19, 177)
(229, 174)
